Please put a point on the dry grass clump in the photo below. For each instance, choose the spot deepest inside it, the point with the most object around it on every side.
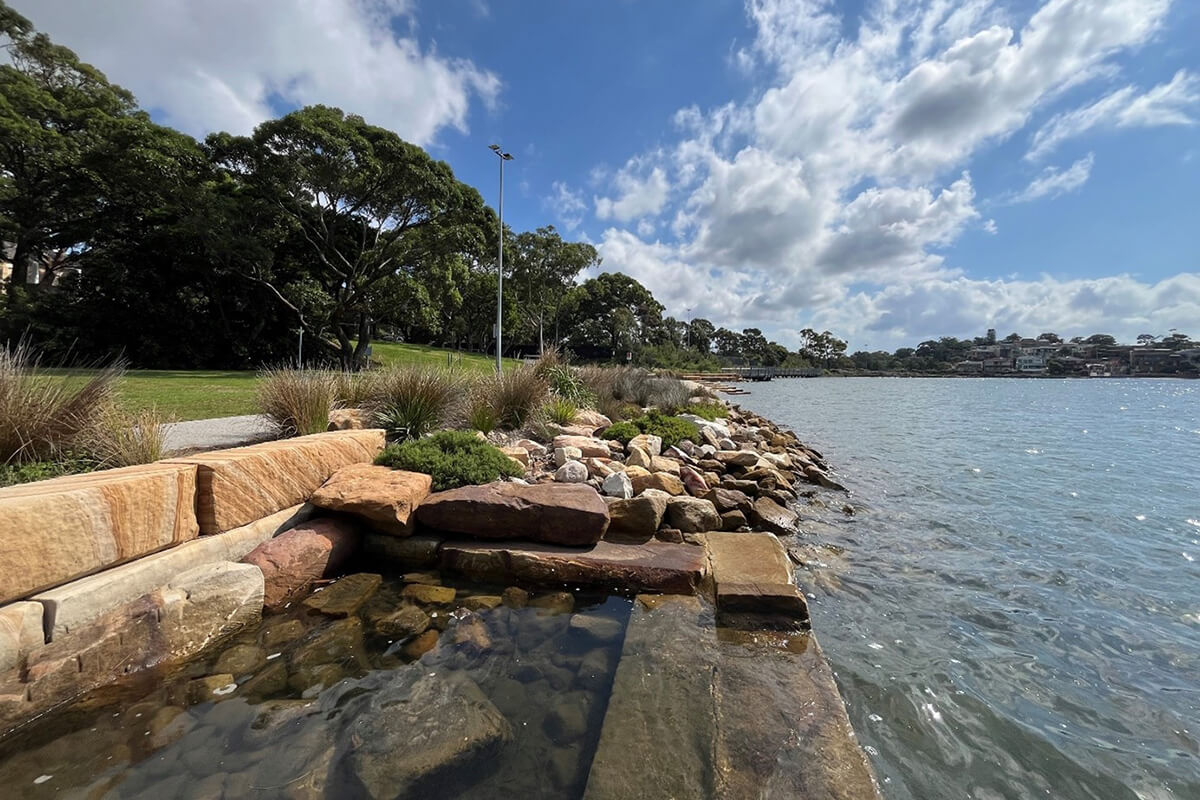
(353, 389)
(516, 395)
(123, 439)
(44, 417)
(297, 401)
(414, 400)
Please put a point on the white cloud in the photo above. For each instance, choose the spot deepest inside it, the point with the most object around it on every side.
(832, 191)
(640, 193)
(567, 205)
(223, 64)
(1054, 181)
(1166, 104)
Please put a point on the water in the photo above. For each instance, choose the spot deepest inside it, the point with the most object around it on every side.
(312, 707)
(1014, 610)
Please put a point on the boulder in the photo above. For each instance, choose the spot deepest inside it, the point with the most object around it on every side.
(649, 442)
(711, 438)
(639, 457)
(564, 454)
(568, 514)
(236, 487)
(589, 446)
(738, 458)
(54, 531)
(726, 444)
(531, 447)
(637, 517)
(733, 520)
(293, 561)
(692, 515)
(693, 481)
(419, 730)
(819, 477)
(745, 487)
(663, 481)
(598, 467)
(664, 464)
(590, 418)
(518, 454)
(431, 595)
(571, 472)
(348, 419)
(773, 517)
(729, 500)
(617, 485)
(382, 497)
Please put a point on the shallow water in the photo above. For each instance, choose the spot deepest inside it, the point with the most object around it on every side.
(1014, 609)
(524, 688)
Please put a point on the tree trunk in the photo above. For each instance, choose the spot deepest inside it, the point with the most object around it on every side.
(364, 341)
(541, 339)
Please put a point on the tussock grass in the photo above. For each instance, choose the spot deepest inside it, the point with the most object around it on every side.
(560, 410)
(517, 395)
(297, 401)
(46, 417)
(412, 401)
(124, 438)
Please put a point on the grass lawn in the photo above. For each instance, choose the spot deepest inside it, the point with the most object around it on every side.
(198, 394)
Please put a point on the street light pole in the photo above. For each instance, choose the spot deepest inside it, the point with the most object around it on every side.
(495, 148)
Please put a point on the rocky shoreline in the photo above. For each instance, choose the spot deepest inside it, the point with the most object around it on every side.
(694, 531)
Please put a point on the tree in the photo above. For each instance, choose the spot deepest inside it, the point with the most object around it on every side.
(1013, 338)
(612, 312)
(1146, 339)
(1101, 339)
(58, 116)
(367, 205)
(727, 343)
(1053, 338)
(822, 348)
(700, 334)
(543, 271)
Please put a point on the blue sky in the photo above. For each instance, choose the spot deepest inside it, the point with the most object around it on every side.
(890, 170)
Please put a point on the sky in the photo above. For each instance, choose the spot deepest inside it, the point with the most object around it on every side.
(888, 170)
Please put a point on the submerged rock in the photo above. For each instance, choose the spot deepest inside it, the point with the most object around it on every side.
(404, 622)
(421, 731)
(345, 596)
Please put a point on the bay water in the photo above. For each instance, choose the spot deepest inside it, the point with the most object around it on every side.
(1013, 608)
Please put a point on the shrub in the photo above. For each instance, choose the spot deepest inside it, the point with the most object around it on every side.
(43, 417)
(297, 401)
(123, 439)
(709, 411)
(516, 395)
(668, 394)
(560, 410)
(566, 383)
(451, 458)
(481, 412)
(621, 431)
(12, 474)
(411, 401)
(672, 430)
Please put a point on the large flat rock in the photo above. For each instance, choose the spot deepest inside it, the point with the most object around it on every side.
(702, 712)
(555, 513)
(382, 497)
(753, 576)
(236, 487)
(78, 603)
(54, 531)
(651, 566)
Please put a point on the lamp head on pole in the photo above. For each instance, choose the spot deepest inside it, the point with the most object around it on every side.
(495, 148)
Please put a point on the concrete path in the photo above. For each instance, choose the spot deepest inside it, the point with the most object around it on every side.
(216, 434)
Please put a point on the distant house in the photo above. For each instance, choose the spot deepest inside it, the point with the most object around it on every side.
(969, 367)
(1031, 364)
(995, 366)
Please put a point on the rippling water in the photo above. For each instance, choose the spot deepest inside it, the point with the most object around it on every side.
(1016, 613)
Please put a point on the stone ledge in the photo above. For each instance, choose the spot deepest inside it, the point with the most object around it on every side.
(76, 604)
(236, 487)
(55, 531)
(753, 576)
(652, 566)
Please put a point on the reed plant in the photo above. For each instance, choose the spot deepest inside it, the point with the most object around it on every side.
(125, 438)
(517, 395)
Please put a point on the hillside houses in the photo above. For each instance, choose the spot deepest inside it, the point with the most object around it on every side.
(1080, 357)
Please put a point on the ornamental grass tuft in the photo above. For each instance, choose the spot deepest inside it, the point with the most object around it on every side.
(297, 401)
(412, 401)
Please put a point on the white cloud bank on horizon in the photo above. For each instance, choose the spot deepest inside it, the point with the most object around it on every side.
(825, 199)
(221, 64)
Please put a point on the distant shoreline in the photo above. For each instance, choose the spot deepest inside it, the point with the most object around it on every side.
(1018, 376)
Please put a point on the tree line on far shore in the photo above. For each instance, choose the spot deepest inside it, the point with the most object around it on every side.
(128, 237)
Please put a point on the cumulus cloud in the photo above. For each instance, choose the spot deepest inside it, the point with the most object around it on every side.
(1053, 181)
(641, 192)
(833, 190)
(567, 205)
(1169, 103)
(228, 65)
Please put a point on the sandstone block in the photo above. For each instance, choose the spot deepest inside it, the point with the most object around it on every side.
(663, 481)
(383, 498)
(54, 531)
(774, 517)
(649, 442)
(590, 418)
(639, 457)
(570, 514)
(238, 486)
(692, 515)
(20, 633)
(636, 517)
(348, 419)
(589, 446)
(73, 605)
(664, 464)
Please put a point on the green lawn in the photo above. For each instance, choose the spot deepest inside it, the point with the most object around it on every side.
(188, 394)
